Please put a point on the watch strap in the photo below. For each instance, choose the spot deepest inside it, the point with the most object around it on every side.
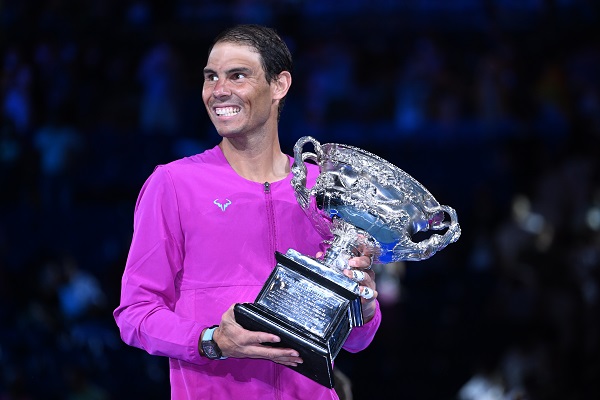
(207, 336)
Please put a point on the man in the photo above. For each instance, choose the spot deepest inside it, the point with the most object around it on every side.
(206, 229)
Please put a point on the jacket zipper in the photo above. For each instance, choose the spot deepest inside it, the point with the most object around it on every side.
(273, 246)
(271, 219)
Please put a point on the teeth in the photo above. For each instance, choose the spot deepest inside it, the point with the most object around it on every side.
(227, 111)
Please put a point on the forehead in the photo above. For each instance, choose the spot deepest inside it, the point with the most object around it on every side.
(226, 55)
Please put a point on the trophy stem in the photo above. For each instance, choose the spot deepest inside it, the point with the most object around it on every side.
(336, 258)
(348, 241)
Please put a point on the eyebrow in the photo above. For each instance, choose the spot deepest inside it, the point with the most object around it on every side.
(208, 71)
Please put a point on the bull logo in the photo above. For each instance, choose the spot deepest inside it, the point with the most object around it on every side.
(222, 206)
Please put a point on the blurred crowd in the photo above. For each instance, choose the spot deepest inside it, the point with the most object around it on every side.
(493, 105)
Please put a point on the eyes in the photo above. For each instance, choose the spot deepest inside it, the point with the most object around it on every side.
(236, 76)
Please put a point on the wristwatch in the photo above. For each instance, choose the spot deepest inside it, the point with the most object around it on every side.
(209, 347)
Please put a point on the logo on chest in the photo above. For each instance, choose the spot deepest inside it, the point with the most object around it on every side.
(222, 206)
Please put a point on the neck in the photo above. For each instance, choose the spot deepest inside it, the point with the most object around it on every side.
(256, 159)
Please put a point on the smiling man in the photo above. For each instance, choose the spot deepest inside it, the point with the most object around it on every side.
(206, 229)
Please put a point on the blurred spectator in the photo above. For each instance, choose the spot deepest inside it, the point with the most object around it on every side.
(11, 149)
(253, 11)
(16, 89)
(81, 293)
(54, 61)
(495, 85)
(420, 73)
(553, 105)
(329, 85)
(59, 144)
(159, 74)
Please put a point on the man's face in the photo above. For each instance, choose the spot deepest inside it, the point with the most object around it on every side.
(237, 96)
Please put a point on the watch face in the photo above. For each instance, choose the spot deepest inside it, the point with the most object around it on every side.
(210, 351)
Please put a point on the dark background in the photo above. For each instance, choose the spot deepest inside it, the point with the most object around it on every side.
(493, 105)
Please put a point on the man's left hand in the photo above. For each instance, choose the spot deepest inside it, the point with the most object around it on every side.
(360, 271)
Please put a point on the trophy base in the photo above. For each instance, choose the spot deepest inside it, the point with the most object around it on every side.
(317, 364)
(310, 307)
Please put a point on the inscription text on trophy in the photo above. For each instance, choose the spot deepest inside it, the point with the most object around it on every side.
(302, 302)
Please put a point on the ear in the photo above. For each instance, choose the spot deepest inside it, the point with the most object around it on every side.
(281, 85)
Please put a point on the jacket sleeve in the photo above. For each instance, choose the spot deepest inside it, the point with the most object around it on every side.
(361, 337)
(145, 315)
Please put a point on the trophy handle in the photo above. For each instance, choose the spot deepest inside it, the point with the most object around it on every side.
(427, 248)
(299, 168)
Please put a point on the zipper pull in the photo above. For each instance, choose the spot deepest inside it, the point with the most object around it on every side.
(267, 187)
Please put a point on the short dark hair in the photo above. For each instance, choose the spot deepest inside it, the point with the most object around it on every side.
(275, 56)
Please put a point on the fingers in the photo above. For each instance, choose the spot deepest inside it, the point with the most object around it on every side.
(363, 262)
(249, 344)
(366, 278)
(290, 361)
(260, 348)
(367, 293)
(236, 341)
(358, 275)
(280, 355)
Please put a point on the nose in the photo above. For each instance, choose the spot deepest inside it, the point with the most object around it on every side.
(220, 89)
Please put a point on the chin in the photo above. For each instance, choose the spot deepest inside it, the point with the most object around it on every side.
(228, 134)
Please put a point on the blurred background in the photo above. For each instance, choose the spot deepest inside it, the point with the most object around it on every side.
(493, 105)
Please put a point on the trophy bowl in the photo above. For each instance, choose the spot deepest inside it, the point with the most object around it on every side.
(369, 206)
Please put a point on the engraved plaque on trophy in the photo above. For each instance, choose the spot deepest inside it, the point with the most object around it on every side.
(361, 204)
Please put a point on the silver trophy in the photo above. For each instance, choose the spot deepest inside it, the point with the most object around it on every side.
(360, 204)
(363, 200)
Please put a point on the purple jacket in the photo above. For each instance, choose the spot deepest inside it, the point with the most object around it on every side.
(204, 238)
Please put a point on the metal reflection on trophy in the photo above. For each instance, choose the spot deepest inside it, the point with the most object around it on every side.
(361, 204)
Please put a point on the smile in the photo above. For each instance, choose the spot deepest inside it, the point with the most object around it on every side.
(227, 111)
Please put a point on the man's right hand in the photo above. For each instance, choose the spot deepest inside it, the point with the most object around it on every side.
(235, 341)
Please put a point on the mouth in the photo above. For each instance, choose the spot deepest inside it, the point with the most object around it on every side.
(227, 111)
